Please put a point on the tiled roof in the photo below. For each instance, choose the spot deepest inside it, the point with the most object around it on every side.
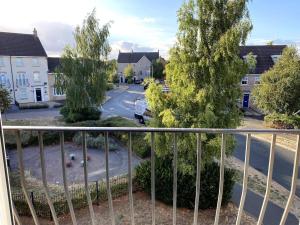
(134, 57)
(14, 44)
(264, 55)
(53, 63)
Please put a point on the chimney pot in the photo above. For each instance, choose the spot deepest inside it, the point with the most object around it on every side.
(35, 32)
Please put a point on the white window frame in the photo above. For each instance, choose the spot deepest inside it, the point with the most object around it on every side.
(36, 62)
(257, 80)
(246, 79)
(19, 62)
(35, 77)
(2, 62)
(3, 79)
(275, 58)
(22, 81)
(57, 93)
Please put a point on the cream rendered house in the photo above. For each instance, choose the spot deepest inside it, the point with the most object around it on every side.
(140, 61)
(24, 67)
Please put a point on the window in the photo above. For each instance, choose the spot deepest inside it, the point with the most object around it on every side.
(244, 81)
(257, 80)
(36, 62)
(2, 61)
(21, 80)
(58, 91)
(275, 58)
(2, 79)
(19, 62)
(36, 76)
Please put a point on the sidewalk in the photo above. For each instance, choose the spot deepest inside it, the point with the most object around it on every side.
(286, 141)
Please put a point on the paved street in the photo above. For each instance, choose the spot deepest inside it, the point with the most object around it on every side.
(259, 159)
(122, 101)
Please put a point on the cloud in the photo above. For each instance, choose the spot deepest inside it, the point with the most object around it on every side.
(55, 36)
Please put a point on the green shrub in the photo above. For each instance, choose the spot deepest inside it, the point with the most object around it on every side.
(109, 86)
(33, 106)
(91, 113)
(282, 121)
(94, 141)
(186, 184)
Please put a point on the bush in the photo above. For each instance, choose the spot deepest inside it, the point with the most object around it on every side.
(109, 86)
(186, 184)
(34, 106)
(91, 113)
(282, 121)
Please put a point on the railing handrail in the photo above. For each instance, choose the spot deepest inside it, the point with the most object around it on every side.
(150, 129)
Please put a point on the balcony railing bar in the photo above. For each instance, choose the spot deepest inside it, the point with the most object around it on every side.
(175, 178)
(245, 180)
(22, 178)
(269, 181)
(152, 179)
(221, 181)
(130, 179)
(110, 203)
(66, 189)
(86, 185)
(44, 179)
(197, 178)
(294, 183)
(16, 215)
(156, 130)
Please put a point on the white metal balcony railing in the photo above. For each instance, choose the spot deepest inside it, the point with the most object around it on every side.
(9, 215)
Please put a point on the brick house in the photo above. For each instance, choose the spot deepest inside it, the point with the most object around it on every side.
(140, 61)
(24, 67)
(266, 56)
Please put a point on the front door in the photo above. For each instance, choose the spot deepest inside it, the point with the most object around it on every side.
(246, 100)
(38, 94)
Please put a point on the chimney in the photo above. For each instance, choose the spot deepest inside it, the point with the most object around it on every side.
(35, 32)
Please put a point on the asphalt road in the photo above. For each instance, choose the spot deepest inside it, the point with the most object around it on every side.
(259, 159)
(122, 101)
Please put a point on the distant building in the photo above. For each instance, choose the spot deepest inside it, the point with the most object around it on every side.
(54, 93)
(266, 56)
(24, 67)
(140, 61)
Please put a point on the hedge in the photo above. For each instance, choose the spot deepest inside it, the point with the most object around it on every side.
(282, 121)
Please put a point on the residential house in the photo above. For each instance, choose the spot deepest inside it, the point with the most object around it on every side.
(140, 61)
(24, 67)
(266, 56)
(55, 94)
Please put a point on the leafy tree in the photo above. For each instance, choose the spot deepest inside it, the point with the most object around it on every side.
(251, 61)
(84, 69)
(204, 76)
(5, 99)
(279, 87)
(158, 68)
(113, 76)
(128, 72)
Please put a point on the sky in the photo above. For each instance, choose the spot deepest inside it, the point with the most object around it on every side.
(138, 25)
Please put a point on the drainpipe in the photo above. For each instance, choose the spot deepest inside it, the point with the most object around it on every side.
(13, 79)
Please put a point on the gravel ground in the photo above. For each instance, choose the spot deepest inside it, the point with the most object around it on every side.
(142, 207)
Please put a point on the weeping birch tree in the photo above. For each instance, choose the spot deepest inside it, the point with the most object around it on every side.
(84, 70)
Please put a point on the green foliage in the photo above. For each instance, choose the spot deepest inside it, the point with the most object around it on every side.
(87, 113)
(279, 87)
(128, 72)
(5, 99)
(203, 74)
(251, 61)
(185, 183)
(109, 86)
(113, 76)
(282, 121)
(84, 69)
(159, 68)
(34, 106)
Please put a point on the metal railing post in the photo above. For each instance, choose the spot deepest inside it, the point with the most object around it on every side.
(6, 213)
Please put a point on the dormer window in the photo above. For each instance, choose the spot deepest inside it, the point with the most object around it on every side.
(275, 58)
